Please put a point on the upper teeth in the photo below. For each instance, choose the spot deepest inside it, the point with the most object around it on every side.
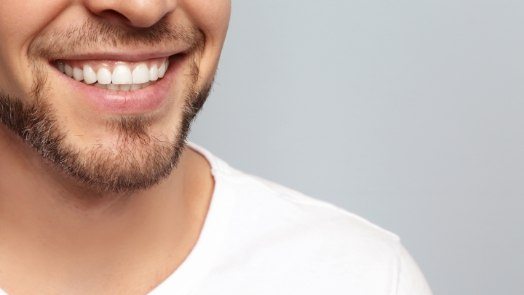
(115, 73)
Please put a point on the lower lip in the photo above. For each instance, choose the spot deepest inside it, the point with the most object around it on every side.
(147, 99)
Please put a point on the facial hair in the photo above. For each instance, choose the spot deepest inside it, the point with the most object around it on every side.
(139, 160)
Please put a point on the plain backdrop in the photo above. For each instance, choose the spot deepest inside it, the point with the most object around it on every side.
(408, 113)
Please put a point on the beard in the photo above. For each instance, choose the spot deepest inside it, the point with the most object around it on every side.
(137, 161)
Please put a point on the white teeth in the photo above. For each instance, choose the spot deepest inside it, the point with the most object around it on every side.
(78, 74)
(68, 70)
(153, 73)
(123, 87)
(103, 76)
(90, 76)
(162, 70)
(122, 75)
(121, 78)
(140, 74)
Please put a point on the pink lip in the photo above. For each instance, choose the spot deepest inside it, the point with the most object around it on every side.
(139, 101)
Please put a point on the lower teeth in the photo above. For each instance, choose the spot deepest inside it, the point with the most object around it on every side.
(124, 87)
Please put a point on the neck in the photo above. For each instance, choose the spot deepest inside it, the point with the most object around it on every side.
(51, 226)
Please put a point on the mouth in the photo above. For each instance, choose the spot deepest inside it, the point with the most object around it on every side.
(115, 75)
(120, 86)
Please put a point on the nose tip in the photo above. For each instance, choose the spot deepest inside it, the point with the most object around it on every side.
(137, 13)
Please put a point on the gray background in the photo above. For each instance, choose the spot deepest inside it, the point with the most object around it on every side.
(408, 113)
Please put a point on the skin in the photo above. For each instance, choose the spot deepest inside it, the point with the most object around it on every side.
(61, 236)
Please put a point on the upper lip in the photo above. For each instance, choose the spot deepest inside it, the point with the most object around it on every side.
(131, 55)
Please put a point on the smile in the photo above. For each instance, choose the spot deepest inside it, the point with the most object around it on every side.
(115, 75)
(125, 85)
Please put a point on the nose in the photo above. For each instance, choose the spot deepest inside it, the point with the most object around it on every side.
(136, 13)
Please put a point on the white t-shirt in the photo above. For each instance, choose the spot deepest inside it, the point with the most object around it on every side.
(260, 238)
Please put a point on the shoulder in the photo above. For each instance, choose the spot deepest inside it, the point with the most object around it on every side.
(281, 235)
(323, 218)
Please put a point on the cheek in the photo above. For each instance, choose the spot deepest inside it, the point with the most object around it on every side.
(210, 16)
(20, 21)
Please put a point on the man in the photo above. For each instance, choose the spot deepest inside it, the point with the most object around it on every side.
(101, 194)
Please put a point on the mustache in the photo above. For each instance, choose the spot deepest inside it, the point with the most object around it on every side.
(93, 34)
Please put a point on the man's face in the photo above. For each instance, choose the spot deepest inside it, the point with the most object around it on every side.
(87, 85)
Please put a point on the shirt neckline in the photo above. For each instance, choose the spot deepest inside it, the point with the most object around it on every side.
(210, 241)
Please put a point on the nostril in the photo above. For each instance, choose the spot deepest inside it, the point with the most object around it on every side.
(113, 15)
